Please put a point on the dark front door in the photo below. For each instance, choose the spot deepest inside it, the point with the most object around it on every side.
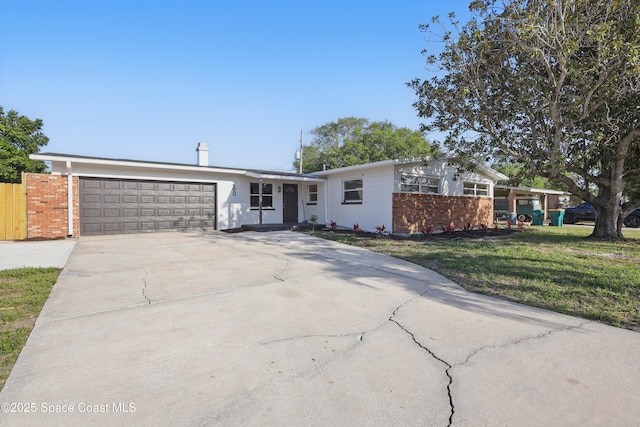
(290, 203)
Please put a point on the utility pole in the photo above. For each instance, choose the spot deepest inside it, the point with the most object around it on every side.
(300, 161)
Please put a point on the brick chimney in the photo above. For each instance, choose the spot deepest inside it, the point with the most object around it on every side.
(203, 154)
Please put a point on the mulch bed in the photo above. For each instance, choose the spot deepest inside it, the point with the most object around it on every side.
(455, 235)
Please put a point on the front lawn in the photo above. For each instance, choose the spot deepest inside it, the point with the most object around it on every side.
(23, 292)
(555, 268)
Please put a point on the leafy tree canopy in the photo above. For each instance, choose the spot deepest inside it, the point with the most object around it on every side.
(553, 85)
(352, 141)
(19, 137)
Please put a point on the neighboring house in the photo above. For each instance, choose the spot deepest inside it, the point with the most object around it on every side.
(114, 196)
(522, 201)
(408, 195)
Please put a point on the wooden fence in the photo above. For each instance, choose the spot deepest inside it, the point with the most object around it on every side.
(13, 210)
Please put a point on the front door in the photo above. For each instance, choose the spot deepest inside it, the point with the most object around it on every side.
(290, 203)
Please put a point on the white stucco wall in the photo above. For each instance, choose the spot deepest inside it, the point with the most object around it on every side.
(307, 208)
(375, 210)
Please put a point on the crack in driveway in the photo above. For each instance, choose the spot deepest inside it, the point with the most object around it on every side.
(144, 288)
(521, 340)
(472, 354)
(431, 353)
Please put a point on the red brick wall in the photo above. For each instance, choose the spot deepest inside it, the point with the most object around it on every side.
(412, 212)
(47, 206)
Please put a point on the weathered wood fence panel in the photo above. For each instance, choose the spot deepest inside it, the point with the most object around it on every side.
(13, 210)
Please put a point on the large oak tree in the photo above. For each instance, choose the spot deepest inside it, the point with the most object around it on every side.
(553, 85)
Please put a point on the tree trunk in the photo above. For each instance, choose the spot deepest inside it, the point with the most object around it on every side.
(607, 225)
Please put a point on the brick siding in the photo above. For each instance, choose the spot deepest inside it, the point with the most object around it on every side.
(412, 212)
(47, 206)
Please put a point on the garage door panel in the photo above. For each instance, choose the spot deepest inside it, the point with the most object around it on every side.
(92, 213)
(129, 185)
(112, 226)
(127, 198)
(163, 225)
(93, 184)
(130, 226)
(112, 206)
(92, 227)
(90, 198)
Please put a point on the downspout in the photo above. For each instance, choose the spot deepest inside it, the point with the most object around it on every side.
(69, 200)
(260, 201)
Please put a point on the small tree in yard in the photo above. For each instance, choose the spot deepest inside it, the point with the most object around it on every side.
(553, 85)
(313, 219)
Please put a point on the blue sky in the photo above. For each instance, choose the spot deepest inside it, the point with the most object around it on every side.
(148, 80)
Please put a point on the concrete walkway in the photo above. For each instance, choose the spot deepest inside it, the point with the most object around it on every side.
(284, 329)
(50, 253)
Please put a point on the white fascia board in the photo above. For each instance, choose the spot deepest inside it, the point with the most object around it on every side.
(151, 177)
(491, 173)
(257, 175)
(354, 168)
(134, 164)
(532, 190)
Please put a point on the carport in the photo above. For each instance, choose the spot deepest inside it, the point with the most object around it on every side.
(549, 199)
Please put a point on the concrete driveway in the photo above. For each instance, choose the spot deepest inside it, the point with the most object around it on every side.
(284, 329)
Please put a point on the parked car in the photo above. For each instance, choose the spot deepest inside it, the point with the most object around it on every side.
(582, 212)
(586, 212)
(633, 219)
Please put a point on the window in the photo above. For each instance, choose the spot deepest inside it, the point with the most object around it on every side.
(267, 196)
(313, 194)
(419, 184)
(352, 191)
(475, 189)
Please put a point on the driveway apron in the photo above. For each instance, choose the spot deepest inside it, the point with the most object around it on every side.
(181, 329)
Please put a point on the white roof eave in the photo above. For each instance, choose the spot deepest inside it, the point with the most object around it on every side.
(132, 164)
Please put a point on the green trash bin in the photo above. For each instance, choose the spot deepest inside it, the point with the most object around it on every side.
(557, 215)
(537, 215)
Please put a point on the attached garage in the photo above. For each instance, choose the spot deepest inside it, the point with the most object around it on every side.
(117, 206)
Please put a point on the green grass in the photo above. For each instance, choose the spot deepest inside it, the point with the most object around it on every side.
(23, 292)
(556, 268)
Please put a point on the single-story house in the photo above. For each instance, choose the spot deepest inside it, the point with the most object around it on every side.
(113, 196)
